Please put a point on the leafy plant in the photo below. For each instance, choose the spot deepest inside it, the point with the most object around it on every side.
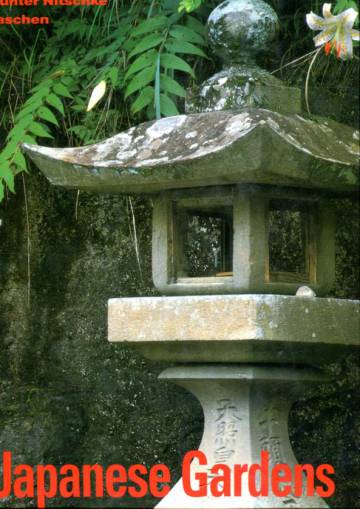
(154, 48)
(145, 52)
(189, 5)
(342, 5)
(32, 122)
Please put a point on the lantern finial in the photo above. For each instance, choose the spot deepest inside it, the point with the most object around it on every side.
(238, 31)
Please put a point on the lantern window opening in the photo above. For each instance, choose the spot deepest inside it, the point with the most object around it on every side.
(291, 238)
(202, 242)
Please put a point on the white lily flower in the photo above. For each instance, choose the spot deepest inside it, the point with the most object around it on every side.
(337, 32)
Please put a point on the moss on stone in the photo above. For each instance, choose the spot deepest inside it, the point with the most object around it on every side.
(66, 394)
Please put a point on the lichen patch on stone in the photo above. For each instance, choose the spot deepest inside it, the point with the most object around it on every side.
(165, 126)
(223, 146)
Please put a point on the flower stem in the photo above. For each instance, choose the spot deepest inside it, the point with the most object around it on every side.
(308, 78)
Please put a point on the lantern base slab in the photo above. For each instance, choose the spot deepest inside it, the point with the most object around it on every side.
(251, 328)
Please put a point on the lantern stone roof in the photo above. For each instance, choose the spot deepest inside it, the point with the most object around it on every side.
(211, 148)
(243, 126)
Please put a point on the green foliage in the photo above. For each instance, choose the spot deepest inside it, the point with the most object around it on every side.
(30, 123)
(154, 49)
(189, 5)
(144, 51)
(342, 5)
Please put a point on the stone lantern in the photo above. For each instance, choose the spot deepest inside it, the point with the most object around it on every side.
(243, 246)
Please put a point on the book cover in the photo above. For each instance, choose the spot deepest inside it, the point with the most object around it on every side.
(179, 254)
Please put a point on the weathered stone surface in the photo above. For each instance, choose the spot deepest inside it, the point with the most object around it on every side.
(239, 29)
(222, 147)
(243, 86)
(236, 328)
(245, 412)
(305, 291)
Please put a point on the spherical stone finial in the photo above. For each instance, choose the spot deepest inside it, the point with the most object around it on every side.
(239, 29)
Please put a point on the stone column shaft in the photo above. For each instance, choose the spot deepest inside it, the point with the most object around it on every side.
(245, 412)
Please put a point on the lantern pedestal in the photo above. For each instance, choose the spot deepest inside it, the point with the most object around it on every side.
(245, 412)
(247, 359)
